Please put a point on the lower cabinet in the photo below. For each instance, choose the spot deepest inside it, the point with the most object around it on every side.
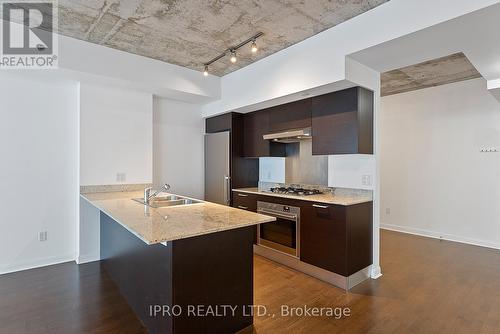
(248, 202)
(245, 201)
(323, 237)
(337, 238)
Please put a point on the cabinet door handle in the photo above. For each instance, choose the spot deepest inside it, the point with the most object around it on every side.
(242, 195)
(320, 206)
(242, 207)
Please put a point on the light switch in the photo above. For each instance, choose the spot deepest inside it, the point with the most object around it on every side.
(366, 180)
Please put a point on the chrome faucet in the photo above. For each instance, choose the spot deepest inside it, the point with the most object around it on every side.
(148, 195)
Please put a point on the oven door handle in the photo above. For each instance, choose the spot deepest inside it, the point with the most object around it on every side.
(277, 214)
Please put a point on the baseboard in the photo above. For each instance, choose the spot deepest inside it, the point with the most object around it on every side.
(376, 272)
(43, 262)
(86, 258)
(440, 236)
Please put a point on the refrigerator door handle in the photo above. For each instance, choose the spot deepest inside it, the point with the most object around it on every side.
(227, 195)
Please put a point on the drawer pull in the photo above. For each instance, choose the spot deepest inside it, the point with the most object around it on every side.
(242, 195)
(242, 207)
(320, 206)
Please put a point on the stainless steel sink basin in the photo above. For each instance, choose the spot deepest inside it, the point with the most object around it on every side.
(165, 201)
(165, 198)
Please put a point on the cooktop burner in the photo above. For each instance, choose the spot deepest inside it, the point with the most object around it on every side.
(295, 191)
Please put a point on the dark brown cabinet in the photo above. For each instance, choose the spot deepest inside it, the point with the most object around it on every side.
(245, 201)
(336, 238)
(290, 116)
(256, 125)
(323, 237)
(342, 122)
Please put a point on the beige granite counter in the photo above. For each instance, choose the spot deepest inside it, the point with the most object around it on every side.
(171, 223)
(341, 196)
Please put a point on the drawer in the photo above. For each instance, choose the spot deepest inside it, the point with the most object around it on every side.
(245, 201)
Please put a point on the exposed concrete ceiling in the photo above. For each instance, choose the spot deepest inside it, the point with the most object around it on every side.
(191, 32)
(436, 72)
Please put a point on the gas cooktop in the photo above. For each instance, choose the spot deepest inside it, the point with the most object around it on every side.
(295, 191)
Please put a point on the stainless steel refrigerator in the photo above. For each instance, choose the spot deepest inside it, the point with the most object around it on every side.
(217, 175)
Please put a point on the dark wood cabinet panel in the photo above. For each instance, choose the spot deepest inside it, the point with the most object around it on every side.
(244, 172)
(323, 237)
(290, 116)
(245, 201)
(359, 236)
(256, 124)
(337, 238)
(342, 122)
(219, 123)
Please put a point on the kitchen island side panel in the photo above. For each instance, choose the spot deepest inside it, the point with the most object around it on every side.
(209, 271)
(143, 273)
(214, 270)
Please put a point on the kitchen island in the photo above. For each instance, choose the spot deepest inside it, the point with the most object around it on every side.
(182, 269)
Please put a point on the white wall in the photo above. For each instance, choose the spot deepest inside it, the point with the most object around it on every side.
(348, 171)
(179, 147)
(135, 72)
(116, 129)
(434, 180)
(39, 168)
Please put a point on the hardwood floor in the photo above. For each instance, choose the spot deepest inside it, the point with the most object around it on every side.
(64, 298)
(429, 286)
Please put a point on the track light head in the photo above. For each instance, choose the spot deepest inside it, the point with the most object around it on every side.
(233, 57)
(254, 47)
(205, 72)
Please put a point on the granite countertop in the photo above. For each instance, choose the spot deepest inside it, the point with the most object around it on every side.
(159, 225)
(341, 196)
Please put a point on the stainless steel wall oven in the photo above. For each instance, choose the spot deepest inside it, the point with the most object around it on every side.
(282, 235)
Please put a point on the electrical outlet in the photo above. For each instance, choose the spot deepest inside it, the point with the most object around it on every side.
(42, 236)
(387, 211)
(121, 177)
(366, 180)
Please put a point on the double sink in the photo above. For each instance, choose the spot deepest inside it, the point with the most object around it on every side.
(166, 201)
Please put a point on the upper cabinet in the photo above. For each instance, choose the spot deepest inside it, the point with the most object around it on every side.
(256, 125)
(219, 123)
(342, 122)
(290, 116)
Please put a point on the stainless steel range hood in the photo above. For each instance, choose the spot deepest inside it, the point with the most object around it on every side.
(291, 136)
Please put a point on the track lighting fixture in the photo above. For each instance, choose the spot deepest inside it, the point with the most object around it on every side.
(232, 51)
(233, 57)
(254, 47)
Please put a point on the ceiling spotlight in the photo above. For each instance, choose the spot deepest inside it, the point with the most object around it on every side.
(233, 57)
(254, 47)
(205, 72)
